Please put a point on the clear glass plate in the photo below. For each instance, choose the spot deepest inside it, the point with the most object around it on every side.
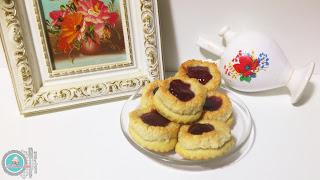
(241, 131)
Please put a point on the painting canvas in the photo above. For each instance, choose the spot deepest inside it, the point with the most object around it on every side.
(38, 33)
(84, 33)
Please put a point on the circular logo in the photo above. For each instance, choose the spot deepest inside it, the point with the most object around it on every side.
(14, 162)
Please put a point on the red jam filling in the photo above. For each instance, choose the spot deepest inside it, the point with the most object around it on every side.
(181, 90)
(153, 118)
(201, 73)
(212, 103)
(198, 129)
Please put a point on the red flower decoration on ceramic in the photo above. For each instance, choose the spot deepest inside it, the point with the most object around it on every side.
(246, 65)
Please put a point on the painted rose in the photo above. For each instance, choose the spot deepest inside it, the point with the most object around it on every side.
(96, 12)
(85, 27)
(58, 16)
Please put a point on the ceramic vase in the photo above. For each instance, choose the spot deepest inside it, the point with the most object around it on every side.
(252, 61)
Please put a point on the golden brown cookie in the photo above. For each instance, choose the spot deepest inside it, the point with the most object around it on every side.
(230, 121)
(204, 140)
(217, 107)
(212, 134)
(180, 99)
(205, 72)
(151, 130)
(147, 95)
(204, 154)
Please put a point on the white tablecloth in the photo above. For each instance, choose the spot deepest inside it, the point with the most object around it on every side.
(87, 143)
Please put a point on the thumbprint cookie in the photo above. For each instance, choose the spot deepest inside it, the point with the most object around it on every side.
(180, 99)
(147, 95)
(152, 131)
(205, 72)
(218, 107)
(201, 141)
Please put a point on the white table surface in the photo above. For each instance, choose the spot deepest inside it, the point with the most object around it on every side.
(87, 143)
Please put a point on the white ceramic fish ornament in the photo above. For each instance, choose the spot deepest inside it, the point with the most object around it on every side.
(253, 62)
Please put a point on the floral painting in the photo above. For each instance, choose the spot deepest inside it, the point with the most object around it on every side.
(246, 65)
(83, 33)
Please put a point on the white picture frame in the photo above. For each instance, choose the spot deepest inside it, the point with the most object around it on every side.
(37, 91)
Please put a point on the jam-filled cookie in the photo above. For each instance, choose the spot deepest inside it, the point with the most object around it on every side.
(202, 141)
(151, 130)
(180, 99)
(206, 73)
(218, 107)
(147, 95)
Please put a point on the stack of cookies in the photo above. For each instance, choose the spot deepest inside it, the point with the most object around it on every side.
(185, 113)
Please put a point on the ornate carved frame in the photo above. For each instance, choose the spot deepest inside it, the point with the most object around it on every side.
(34, 96)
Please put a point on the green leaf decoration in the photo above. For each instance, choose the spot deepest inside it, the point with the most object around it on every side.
(62, 7)
(73, 7)
(48, 23)
(91, 29)
(91, 32)
(245, 78)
